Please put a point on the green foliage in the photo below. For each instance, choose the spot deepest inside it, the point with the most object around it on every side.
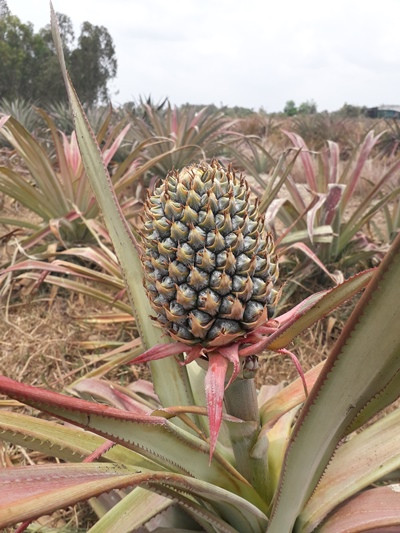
(290, 108)
(133, 441)
(4, 10)
(54, 185)
(333, 189)
(62, 117)
(312, 194)
(305, 108)
(93, 63)
(351, 111)
(17, 66)
(23, 111)
(90, 270)
(30, 67)
(388, 231)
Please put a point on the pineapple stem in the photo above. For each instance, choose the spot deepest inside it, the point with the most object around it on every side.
(250, 454)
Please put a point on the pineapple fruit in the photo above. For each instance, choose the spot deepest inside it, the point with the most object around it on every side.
(209, 263)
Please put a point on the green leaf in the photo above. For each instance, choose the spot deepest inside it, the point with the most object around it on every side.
(29, 492)
(219, 508)
(289, 397)
(176, 389)
(82, 288)
(134, 510)
(279, 175)
(320, 233)
(278, 437)
(359, 462)
(387, 395)
(153, 437)
(361, 364)
(350, 229)
(69, 444)
(314, 308)
(41, 171)
(208, 496)
(117, 225)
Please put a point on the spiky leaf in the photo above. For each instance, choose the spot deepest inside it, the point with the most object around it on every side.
(361, 364)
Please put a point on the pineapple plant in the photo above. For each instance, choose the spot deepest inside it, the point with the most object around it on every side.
(265, 474)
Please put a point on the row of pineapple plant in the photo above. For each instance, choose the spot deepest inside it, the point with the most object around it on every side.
(318, 232)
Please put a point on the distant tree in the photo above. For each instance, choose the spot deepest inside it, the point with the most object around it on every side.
(49, 86)
(4, 11)
(349, 110)
(290, 108)
(16, 57)
(93, 62)
(307, 108)
(30, 70)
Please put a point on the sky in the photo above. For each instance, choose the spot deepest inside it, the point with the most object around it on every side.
(250, 53)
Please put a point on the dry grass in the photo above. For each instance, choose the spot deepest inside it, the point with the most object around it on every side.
(41, 338)
(40, 344)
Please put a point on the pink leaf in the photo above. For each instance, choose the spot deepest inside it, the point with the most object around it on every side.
(110, 152)
(305, 157)
(215, 386)
(306, 313)
(334, 155)
(143, 387)
(305, 249)
(105, 392)
(317, 202)
(160, 351)
(272, 211)
(364, 153)
(231, 353)
(174, 124)
(297, 364)
(194, 352)
(98, 452)
(44, 400)
(71, 152)
(3, 120)
(376, 509)
(332, 201)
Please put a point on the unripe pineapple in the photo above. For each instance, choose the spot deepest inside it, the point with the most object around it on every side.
(209, 264)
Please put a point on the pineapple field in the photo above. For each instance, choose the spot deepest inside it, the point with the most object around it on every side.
(37, 233)
(253, 263)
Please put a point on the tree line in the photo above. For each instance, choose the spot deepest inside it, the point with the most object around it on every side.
(29, 66)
